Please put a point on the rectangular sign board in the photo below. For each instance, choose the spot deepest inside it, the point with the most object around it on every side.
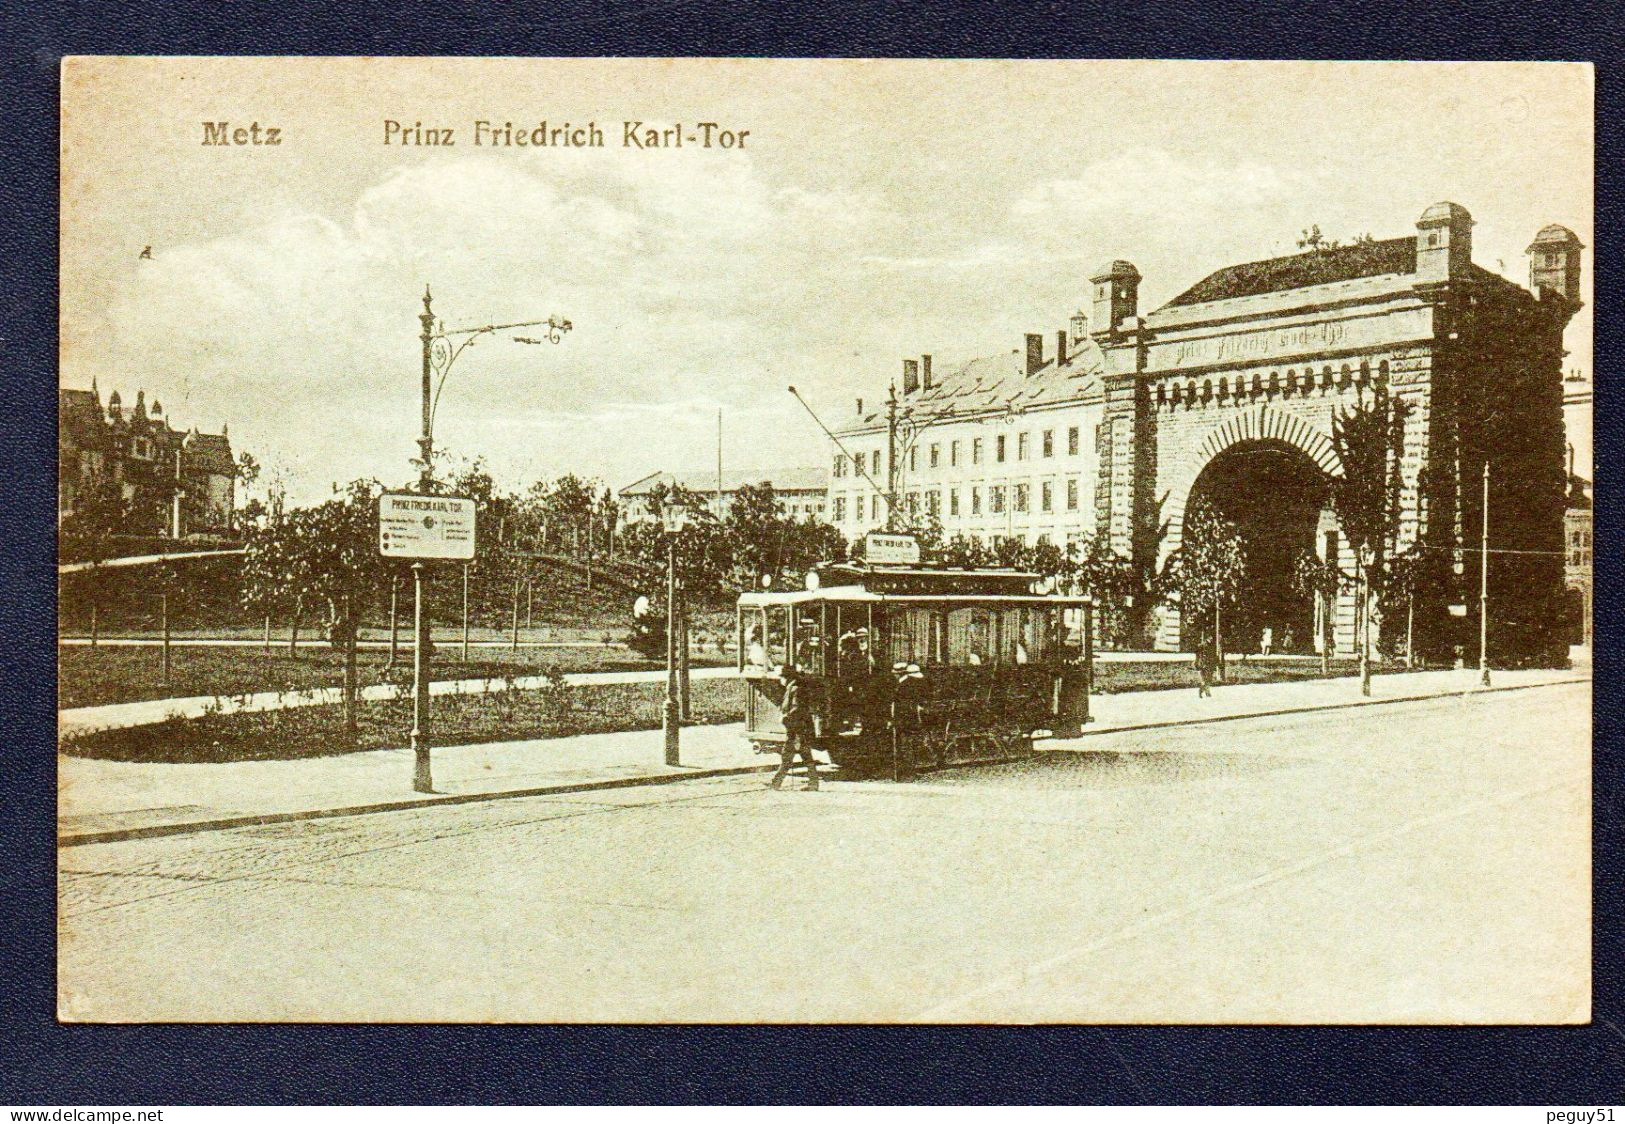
(891, 549)
(430, 527)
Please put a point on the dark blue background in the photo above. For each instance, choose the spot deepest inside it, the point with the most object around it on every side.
(44, 1063)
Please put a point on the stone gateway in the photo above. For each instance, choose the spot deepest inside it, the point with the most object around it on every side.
(1226, 395)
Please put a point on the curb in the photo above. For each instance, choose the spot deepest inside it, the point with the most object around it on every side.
(1087, 733)
(155, 831)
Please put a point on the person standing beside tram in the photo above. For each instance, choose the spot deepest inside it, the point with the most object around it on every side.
(800, 730)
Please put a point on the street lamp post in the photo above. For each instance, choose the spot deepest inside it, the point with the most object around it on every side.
(903, 429)
(439, 353)
(673, 520)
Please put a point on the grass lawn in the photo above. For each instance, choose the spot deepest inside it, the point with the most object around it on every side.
(318, 731)
(1115, 678)
(98, 676)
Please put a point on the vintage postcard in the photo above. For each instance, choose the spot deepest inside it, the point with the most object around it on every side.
(708, 540)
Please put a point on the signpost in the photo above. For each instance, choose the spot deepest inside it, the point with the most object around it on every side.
(891, 549)
(424, 529)
(435, 528)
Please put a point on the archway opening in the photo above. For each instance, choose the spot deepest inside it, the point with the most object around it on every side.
(1277, 497)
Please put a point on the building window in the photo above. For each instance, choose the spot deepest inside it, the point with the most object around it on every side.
(998, 449)
(840, 508)
(936, 454)
(1072, 442)
(913, 458)
(874, 505)
(1049, 442)
(953, 501)
(914, 503)
(840, 466)
(933, 503)
(976, 450)
(1021, 446)
(1046, 496)
(876, 470)
(976, 501)
(1021, 498)
(953, 453)
(995, 496)
(1072, 495)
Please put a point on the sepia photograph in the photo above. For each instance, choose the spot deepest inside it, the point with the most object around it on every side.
(764, 541)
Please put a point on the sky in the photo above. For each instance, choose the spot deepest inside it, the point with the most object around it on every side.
(875, 210)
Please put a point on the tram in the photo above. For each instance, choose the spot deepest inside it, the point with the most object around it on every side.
(911, 667)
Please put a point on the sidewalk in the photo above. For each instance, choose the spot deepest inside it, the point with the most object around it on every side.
(1139, 709)
(100, 801)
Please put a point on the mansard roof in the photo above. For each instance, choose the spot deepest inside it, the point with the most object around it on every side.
(994, 383)
(1299, 271)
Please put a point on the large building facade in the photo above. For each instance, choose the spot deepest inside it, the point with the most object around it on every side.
(140, 475)
(1227, 394)
(803, 492)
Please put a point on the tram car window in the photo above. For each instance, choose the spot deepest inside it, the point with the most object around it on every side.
(753, 640)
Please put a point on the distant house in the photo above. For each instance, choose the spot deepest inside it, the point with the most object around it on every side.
(143, 476)
(804, 492)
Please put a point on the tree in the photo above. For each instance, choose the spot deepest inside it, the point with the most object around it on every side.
(327, 553)
(568, 512)
(339, 543)
(965, 551)
(1368, 440)
(756, 529)
(1211, 569)
(1313, 576)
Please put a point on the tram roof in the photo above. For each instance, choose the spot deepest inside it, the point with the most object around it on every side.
(856, 593)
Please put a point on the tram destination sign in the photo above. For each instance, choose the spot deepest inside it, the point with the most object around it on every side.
(426, 527)
(887, 549)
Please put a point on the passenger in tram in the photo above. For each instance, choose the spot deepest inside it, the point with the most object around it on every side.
(755, 650)
(854, 659)
(809, 646)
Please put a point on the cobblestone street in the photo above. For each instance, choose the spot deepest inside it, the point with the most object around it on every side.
(1352, 866)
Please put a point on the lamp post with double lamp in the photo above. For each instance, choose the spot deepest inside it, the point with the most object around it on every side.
(440, 350)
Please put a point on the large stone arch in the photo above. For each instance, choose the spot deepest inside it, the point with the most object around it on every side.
(1255, 423)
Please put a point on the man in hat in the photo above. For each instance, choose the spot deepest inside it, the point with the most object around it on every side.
(909, 699)
(799, 731)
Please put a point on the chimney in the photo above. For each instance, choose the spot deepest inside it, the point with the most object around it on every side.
(1035, 352)
(1060, 348)
(911, 375)
(925, 372)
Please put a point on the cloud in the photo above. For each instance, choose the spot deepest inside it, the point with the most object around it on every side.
(302, 330)
(1143, 183)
